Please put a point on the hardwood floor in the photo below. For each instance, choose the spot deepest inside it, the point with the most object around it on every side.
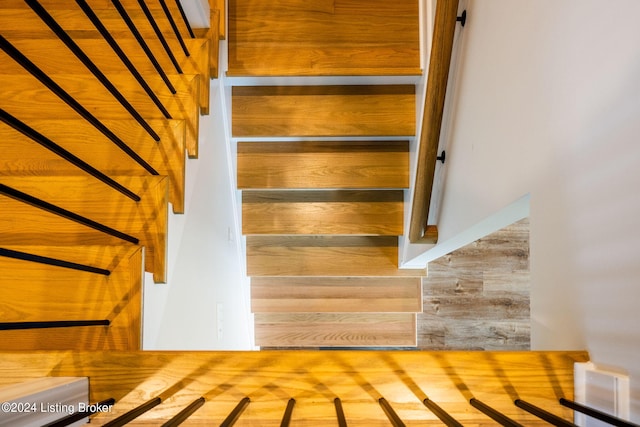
(477, 297)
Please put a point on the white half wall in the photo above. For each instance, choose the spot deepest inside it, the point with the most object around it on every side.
(548, 104)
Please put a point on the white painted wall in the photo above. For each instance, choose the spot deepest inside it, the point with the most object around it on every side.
(205, 267)
(548, 104)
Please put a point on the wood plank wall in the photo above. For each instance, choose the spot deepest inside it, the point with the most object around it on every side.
(314, 379)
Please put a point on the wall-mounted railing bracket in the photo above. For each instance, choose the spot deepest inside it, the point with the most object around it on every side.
(462, 19)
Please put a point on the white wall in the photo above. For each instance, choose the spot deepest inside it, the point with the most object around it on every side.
(205, 268)
(548, 103)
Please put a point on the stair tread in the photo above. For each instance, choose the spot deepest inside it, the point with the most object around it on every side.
(37, 292)
(106, 60)
(15, 89)
(23, 157)
(327, 164)
(324, 256)
(324, 38)
(362, 212)
(384, 110)
(336, 294)
(335, 329)
(23, 224)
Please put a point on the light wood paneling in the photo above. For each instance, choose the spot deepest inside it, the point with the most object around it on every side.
(314, 379)
(323, 111)
(23, 157)
(37, 292)
(23, 224)
(327, 164)
(327, 37)
(335, 329)
(477, 297)
(324, 256)
(374, 212)
(336, 294)
(24, 97)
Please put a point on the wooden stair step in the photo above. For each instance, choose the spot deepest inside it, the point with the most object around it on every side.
(146, 220)
(324, 37)
(23, 157)
(336, 294)
(324, 256)
(16, 90)
(323, 164)
(103, 56)
(75, 23)
(363, 212)
(36, 292)
(335, 329)
(384, 110)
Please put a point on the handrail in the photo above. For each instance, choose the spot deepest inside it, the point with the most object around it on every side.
(185, 19)
(71, 102)
(79, 53)
(167, 12)
(55, 148)
(163, 41)
(95, 20)
(13, 326)
(183, 415)
(24, 256)
(439, 63)
(64, 213)
(143, 44)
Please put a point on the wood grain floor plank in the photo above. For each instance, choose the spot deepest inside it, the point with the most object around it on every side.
(323, 111)
(37, 292)
(374, 212)
(336, 294)
(478, 296)
(335, 329)
(326, 38)
(146, 220)
(23, 157)
(314, 379)
(24, 97)
(327, 164)
(324, 256)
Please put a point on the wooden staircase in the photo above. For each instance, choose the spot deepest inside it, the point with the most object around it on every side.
(85, 184)
(323, 170)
